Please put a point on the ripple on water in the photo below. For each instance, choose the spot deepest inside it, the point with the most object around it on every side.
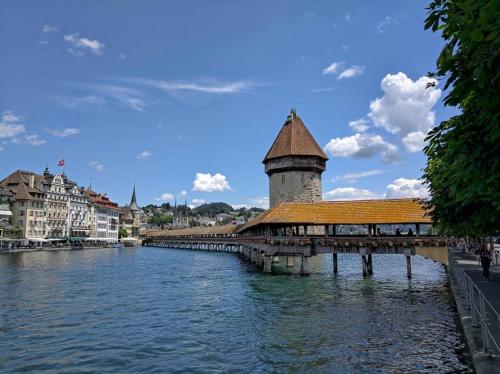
(157, 310)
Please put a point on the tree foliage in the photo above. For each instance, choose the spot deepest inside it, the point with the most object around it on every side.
(122, 233)
(463, 167)
(213, 209)
(161, 219)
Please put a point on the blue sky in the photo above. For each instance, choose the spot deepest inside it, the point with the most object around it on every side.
(186, 97)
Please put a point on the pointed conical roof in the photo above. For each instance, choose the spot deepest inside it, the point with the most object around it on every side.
(294, 139)
(133, 201)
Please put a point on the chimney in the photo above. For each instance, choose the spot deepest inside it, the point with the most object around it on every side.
(31, 180)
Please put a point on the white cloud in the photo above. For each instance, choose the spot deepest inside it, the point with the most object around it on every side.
(359, 125)
(353, 71)
(259, 202)
(197, 202)
(347, 17)
(320, 90)
(49, 28)
(122, 56)
(210, 183)
(350, 193)
(1, 148)
(406, 105)
(337, 68)
(78, 102)
(384, 23)
(399, 188)
(144, 155)
(31, 139)
(165, 197)
(97, 166)
(182, 194)
(213, 88)
(333, 68)
(414, 141)
(84, 44)
(10, 130)
(10, 117)
(363, 146)
(353, 177)
(65, 132)
(254, 202)
(129, 97)
(75, 52)
(403, 187)
(43, 42)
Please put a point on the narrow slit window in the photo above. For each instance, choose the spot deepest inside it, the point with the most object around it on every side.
(282, 179)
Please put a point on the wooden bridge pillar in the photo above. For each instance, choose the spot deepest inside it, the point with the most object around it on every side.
(370, 264)
(407, 253)
(258, 261)
(335, 264)
(268, 262)
(365, 267)
(304, 265)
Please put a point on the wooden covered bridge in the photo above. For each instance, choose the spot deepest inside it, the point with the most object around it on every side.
(293, 231)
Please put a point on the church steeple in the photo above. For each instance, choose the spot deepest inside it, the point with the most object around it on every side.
(133, 201)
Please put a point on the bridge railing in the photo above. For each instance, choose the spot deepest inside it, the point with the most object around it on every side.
(484, 315)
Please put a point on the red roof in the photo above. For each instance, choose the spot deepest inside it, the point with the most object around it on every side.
(294, 139)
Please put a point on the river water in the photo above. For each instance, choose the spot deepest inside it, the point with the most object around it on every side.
(159, 310)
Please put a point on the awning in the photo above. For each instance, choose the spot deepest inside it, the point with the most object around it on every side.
(5, 213)
(37, 240)
(77, 239)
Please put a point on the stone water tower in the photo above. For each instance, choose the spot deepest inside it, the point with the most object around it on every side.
(294, 164)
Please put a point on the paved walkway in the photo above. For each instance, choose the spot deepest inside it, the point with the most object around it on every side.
(472, 267)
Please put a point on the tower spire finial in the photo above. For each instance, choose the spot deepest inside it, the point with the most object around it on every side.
(133, 200)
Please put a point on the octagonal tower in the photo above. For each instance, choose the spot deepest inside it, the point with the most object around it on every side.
(294, 164)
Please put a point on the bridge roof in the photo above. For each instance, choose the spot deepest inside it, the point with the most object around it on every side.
(355, 212)
(189, 231)
(294, 139)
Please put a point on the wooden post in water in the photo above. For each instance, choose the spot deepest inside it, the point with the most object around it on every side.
(365, 270)
(335, 264)
(289, 262)
(268, 262)
(370, 264)
(407, 253)
(304, 265)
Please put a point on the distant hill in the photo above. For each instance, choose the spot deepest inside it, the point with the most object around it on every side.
(212, 209)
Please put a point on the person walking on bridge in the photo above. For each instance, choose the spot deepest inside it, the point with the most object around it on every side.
(485, 262)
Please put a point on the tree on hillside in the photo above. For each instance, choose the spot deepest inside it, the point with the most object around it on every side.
(161, 219)
(463, 166)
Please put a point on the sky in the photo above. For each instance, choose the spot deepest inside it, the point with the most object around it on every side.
(186, 97)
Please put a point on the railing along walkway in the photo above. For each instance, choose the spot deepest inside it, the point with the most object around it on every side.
(481, 298)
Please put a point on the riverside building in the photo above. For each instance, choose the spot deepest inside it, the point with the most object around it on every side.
(51, 207)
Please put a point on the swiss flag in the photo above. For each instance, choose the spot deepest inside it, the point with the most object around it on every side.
(61, 163)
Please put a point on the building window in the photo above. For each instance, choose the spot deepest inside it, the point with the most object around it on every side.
(282, 179)
(302, 178)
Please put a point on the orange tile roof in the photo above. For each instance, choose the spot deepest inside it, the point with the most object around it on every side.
(294, 140)
(362, 212)
(214, 230)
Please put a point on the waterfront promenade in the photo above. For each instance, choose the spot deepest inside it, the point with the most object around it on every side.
(478, 305)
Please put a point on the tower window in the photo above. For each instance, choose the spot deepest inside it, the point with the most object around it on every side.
(302, 178)
(282, 179)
